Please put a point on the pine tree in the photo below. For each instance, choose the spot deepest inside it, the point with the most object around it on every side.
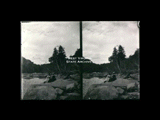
(117, 56)
(61, 53)
(120, 56)
(121, 53)
(54, 59)
(62, 58)
(77, 53)
(113, 58)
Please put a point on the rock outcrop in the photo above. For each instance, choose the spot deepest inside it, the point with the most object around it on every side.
(132, 87)
(70, 87)
(57, 90)
(120, 89)
(40, 93)
(102, 93)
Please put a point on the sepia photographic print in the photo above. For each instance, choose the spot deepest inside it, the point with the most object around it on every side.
(80, 60)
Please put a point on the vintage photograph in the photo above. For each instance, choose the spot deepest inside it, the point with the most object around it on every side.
(80, 60)
(113, 48)
(45, 47)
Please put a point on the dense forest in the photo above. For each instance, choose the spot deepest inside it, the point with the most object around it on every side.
(118, 63)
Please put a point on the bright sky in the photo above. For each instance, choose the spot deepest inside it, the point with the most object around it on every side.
(99, 38)
(39, 39)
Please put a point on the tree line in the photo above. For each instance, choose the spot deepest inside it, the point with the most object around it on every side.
(118, 63)
(57, 63)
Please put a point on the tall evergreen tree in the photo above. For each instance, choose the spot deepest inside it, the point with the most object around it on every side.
(61, 53)
(62, 58)
(54, 59)
(121, 53)
(77, 53)
(117, 56)
(113, 58)
(54, 56)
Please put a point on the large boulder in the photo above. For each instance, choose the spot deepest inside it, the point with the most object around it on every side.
(132, 87)
(120, 90)
(97, 92)
(73, 87)
(40, 93)
(70, 87)
(59, 91)
(122, 83)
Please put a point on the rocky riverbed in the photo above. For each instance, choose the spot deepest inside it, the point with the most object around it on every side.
(26, 83)
(120, 89)
(60, 89)
(95, 87)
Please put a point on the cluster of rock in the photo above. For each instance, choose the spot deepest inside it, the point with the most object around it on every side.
(68, 88)
(59, 89)
(120, 89)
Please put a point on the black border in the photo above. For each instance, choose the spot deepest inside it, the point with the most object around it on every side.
(81, 47)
